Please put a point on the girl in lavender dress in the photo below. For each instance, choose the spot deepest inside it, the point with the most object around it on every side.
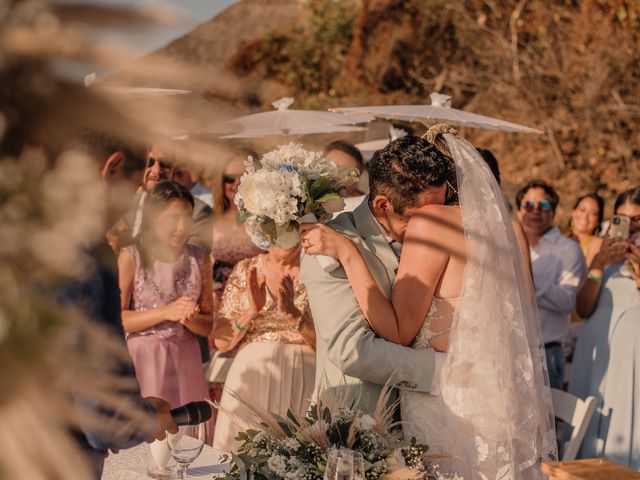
(165, 287)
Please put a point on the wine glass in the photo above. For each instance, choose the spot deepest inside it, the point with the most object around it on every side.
(344, 464)
(186, 448)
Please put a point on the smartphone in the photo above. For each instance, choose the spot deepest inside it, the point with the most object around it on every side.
(619, 227)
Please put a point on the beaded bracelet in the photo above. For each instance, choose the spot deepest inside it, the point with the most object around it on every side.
(594, 277)
(239, 327)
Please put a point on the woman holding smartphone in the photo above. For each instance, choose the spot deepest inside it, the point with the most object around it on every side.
(607, 355)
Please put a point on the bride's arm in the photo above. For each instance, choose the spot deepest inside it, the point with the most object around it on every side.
(423, 260)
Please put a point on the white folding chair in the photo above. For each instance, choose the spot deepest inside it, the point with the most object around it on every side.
(577, 413)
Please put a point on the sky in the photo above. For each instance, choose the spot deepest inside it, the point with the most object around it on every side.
(143, 41)
(195, 11)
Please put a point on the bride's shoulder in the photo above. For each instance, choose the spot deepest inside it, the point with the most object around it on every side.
(435, 220)
(437, 211)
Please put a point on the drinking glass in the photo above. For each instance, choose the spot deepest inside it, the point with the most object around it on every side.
(186, 448)
(344, 464)
(160, 462)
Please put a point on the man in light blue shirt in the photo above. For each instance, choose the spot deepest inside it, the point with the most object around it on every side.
(558, 267)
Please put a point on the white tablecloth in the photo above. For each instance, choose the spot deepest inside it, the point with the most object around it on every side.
(131, 464)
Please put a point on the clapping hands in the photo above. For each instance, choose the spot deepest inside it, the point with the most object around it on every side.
(181, 310)
(257, 292)
(285, 297)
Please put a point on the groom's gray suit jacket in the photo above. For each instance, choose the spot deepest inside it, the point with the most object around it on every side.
(348, 352)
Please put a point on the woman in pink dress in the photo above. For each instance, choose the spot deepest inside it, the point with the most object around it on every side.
(166, 299)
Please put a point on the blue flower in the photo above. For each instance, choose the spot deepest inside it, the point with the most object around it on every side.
(288, 167)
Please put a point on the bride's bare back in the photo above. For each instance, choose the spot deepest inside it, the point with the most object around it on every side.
(432, 264)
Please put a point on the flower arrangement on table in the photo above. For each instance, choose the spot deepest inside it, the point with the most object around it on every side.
(296, 447)
(291, 186)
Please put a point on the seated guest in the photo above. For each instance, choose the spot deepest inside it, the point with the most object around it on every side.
(558, 269)
(165, 293)
(265, 312)
(607, 356)
(586, 217)
(347, 155)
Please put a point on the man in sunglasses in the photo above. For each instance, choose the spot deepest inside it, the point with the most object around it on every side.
(558, 267)
(161, 166)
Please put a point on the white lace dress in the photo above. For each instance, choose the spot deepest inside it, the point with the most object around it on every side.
(422, 414)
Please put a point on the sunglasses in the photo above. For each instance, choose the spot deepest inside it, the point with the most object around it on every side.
(231, 178)
(163, 165)
(543, 206)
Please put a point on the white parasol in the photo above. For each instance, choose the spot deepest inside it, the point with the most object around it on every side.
(439, 111)
(144, 92)
(286, 121)
(368, 148)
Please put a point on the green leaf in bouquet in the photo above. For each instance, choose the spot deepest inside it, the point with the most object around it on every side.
(312, 413)
(339, 433)
(283, 424)
(270, 230)
(293, 417)
(242, 467)
(326, 415)
(265, 471)
(319, 187)
(329, 196)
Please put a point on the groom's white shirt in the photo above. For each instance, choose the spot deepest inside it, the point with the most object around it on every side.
(349, 354)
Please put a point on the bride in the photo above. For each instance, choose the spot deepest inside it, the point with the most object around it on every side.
(462, 288)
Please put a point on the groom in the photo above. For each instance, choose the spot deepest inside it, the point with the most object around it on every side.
(404, 176)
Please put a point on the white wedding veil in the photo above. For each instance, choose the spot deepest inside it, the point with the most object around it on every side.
(494, 383)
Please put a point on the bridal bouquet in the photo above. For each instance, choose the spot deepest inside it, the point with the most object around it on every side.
(296, 447)
(291, 186)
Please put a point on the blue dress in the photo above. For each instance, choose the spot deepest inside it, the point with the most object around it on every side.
(606, 364)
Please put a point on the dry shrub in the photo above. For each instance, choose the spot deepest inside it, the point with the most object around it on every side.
(568, 68)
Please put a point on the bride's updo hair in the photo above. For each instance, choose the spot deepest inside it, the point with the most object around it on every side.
(405, 168)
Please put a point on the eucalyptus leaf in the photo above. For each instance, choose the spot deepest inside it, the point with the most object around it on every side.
(319, 187)
(329, 196)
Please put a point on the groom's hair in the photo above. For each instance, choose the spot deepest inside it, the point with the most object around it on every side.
(405, 168)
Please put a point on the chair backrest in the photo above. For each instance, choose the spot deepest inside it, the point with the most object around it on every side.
(577, 413)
